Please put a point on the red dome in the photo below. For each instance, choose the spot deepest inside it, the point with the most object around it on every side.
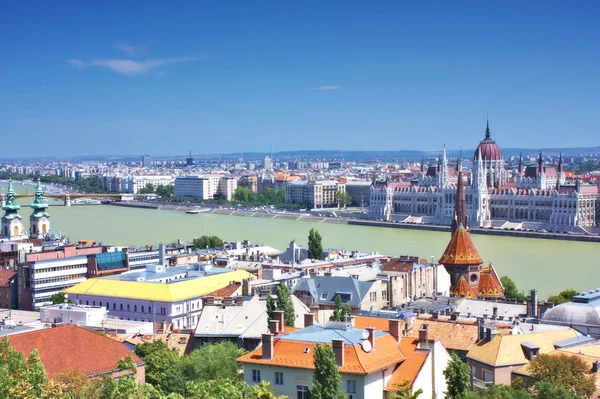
(489, 149)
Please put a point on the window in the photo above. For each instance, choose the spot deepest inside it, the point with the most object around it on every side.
(351, 386)
(324, 295)
(114, 306)
(128, 307)
(135, 308)
(278, 378)
(93, 303)
(121, 306)
(142, 308)
(87, 302)
(255, 375)
(302, 392)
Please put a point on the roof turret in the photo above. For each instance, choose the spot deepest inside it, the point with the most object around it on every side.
(39, 204)
(11, 207)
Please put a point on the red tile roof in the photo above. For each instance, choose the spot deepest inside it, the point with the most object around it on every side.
(73, 348)
(6, 276)
(408, 369)
(461, 250)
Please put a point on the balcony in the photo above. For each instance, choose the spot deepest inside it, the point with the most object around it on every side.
(480, 384)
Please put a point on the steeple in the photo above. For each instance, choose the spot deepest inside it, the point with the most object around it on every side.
(39, 205)
(11, 205)
(560, 165)
(444, 172)
(459, 162)
(39, 221)
(460, 206)
(12, 228)
(520, 167)
(422, 164)
(540, 163)
(487, 129)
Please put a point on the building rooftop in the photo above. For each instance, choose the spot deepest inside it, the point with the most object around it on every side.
(176, 290)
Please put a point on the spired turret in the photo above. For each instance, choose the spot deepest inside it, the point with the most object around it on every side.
(39, 221)
(12, 227)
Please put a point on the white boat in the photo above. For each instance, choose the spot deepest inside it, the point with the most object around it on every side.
(197, 211)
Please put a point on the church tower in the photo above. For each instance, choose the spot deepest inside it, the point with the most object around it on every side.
(39, 221)
(12, 228)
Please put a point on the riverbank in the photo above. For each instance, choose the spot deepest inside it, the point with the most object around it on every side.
(361, 222)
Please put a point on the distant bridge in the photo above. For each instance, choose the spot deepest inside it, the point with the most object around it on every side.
(68, 196)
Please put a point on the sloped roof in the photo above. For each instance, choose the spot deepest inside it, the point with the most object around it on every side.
(6, 276)
(459, 336)
(506, 350)
(489, 283)
(460, 250)
(291, 352)
(174, 291)
(408, 369)
(73, 348)
(324, 289)
(463, 289)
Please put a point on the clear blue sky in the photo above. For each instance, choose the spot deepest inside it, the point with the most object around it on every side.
(162, 77)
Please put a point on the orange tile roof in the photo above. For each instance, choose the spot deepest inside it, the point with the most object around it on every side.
(6, 276)
(408, 369)
(461, 250)
(377, 323)
(73, 348)
(460, 336)
(288, 353)
(463, 288)
(489, 283)
(230, 290)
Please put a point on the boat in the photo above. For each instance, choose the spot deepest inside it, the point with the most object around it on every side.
(197, 211)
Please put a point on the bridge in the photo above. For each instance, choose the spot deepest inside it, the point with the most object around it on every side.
(68, 196)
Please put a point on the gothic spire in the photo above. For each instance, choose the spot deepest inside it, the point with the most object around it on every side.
(487, 129)
(540, 163)
(560, 164)
(520, 167)
(460, 206)
(422, 163)
(459, 162)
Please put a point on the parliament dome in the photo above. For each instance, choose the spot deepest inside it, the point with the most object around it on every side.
(488, 148)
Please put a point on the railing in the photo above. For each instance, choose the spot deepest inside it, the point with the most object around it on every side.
(480, 384)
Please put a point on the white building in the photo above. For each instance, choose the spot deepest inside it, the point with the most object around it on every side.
(205, 187)
(315, 194)
(170, 295)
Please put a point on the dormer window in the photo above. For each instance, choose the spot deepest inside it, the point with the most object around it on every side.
(324, 295)
(306, 350)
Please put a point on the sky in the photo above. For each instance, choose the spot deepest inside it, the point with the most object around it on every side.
(166, 77)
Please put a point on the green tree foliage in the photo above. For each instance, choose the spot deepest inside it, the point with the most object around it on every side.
(218, 389)
(327, 382)
(165, 191)
(285, 304)
(541, 390)
(148, 189)
(59, 299)
(510, 289)
(458, 378)
(21, 377)
(547, 390)
(564, 370)
(161, 364)
(340, 311)
(405, 392)
(315, 246)
(343, 198)
(213, 361)
(271, 307)
(204, 242)
(246, 196)
(564, 296)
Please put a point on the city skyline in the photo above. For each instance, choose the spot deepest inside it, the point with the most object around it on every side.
(84, 79)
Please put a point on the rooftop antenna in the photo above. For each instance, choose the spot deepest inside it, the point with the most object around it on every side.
(270, 151)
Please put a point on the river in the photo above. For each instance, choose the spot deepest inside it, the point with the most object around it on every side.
(547, 265)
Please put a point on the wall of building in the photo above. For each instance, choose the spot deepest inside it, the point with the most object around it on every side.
(433, 366)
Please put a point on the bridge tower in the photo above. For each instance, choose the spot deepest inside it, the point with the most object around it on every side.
(39, 221)
(12, 228)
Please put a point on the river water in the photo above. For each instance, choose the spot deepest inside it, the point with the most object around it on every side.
(547, 265)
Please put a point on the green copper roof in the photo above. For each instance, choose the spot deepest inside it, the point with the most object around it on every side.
(39, 202)
(11, 206)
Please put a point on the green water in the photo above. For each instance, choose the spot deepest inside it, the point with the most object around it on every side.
(548, 265)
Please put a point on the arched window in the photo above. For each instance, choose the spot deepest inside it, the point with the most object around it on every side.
(128, 307)
(115, 306)
(142, 308)
(135, 308)
(121, 306)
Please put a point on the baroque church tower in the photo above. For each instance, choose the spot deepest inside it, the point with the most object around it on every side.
(39, 221)
(12, 227)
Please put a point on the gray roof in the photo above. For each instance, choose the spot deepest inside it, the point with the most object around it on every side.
(324, 289)
(316, 333)
(575, 313)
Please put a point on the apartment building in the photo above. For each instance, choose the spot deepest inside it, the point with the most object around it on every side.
(205, 187)
(315, 194)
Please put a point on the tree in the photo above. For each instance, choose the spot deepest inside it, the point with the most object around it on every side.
(285, 304)
(165, 191)
(564, 296)
(161, 363)
(458, 378)
(563, 370)
(271, 307)
(510, 289)
(204, 242)
(343, 198)
(498, 392)
(213, 361)
(315, 247)
(147, 189)
(327, 382)
(405, 392)
(263, 391)
(59, 299)
(340, 311)
(547, 390)
(217, 389)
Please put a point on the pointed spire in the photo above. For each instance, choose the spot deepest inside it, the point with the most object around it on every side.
(540, 163)
(460, 206)
(560, 164)
(487, 129)
(422, 163)
(459, 162)
(520, 167)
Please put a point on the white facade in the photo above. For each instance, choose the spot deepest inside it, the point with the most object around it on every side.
(205, 187)
(49, 277)
(317, 194)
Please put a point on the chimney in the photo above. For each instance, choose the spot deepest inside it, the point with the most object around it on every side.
(394, 327)
(480, 331)
(246, 286)
(488, 334)
(274, 326)
(338, 351)
(424, 334)
(239, 300)
(267, 346)
(227, 300)
(534, 304)
(264, 294)
(596, 366)
(279, 316)
(435, 315)
(309, 319)
(371, 338)
(454, 316)
(495, 311)
(210, 300)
